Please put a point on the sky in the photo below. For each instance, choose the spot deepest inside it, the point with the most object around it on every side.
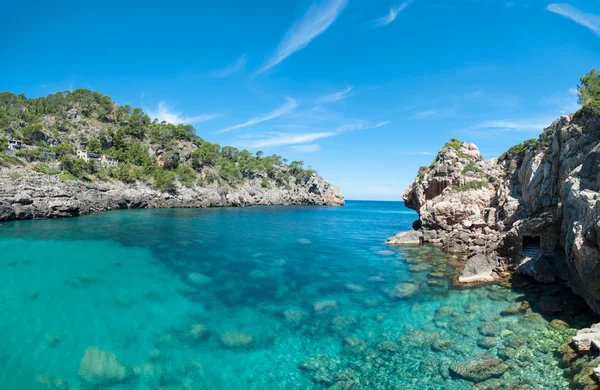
(363, 91)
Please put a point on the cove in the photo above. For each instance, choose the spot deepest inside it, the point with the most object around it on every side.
(264, 298)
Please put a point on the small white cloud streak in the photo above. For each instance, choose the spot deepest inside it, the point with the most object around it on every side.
(310, 148)
(164, 114)
(317, 19)
(341, 95)
(292, 139)
(288, 107)
(230, 69)
(590, 21)
(391, 15)
(420, 154)
(425, 114)
(512, 126)
(380, 124)
(278, 139)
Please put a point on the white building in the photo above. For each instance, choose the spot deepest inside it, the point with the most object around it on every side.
(15, 145)
(102, 159)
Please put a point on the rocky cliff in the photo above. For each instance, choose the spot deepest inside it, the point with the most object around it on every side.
(26, 194)
(533, 210)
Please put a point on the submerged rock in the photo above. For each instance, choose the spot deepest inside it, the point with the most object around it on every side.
(489, 329)
(100, 369)
(199, 279)
(517, 308)
(402, 290)
(486, 342)
(325, 306)
(479, 368)
(198, 332)
(236, 340)
(441, 344)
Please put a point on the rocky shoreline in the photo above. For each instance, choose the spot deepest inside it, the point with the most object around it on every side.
(532, 211)
(26, 194)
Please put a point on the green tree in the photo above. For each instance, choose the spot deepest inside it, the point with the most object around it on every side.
(3, 145)
(259, 153)
(95, 146)
(164, 180)
(589, 91)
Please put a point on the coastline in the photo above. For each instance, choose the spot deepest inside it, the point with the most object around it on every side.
(34, 195)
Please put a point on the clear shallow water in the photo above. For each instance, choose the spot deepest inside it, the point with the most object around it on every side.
(250, 298)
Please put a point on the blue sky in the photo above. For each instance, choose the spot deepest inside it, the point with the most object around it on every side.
(363, 91)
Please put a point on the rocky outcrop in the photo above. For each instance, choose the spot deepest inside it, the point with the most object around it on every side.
(533, 210)
(26, 194)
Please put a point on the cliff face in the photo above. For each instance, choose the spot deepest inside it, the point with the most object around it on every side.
(26, 194)
(534, 210)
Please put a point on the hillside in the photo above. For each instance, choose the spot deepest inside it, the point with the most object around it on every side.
(100, 156)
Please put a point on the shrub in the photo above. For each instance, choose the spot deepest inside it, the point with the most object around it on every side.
(186, 175)
(471, 167)
(45, 169)
(454, 143)
(472, 185)
(164, 180)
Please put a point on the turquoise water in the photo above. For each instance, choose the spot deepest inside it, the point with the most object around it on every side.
(250, 298)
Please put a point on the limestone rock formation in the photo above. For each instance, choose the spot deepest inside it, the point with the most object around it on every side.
(26, 194)
(533, 210)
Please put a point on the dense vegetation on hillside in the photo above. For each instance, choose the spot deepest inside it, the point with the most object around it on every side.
(159, 153)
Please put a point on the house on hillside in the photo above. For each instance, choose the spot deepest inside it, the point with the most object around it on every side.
(15, 145)
(101, 159)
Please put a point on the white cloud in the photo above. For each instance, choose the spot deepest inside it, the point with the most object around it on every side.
(317, 19)
(341, 95)
(291, 139)
(391, 15)
(277, 139)
(230, 69)
(573, 91)
(310, 148)
(590, 21)
(420, 153)
(380, 124)
(537, 126)
(425, 114)
(288, 107)
(163, 113)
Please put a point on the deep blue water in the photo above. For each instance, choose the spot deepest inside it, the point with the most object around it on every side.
(240, 298)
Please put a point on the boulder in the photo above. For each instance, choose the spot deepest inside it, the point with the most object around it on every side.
(413, 237)
(479, 268)
(584, 338)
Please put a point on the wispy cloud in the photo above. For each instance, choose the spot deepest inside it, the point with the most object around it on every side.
(419, 153)
(310, 148)
(288, 107)
(230, 69)
(163, 113)
(425, 114)
(317, 19)
(503, 125)
(391, 15)
(590, 21)
(278, 139)
(291, 139)
(341, 95)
